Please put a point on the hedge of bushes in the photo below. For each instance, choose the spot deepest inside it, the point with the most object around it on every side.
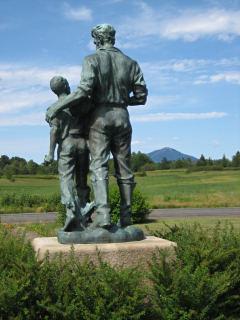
(28, 202)
(65, 289)
(140, 207)
(202, 283)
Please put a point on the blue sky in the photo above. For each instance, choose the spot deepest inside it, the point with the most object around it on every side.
(189, 52)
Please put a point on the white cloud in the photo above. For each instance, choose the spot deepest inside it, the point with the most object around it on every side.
(81, 13)
(175, 138)
(159, 74)
(22, 75)
(136, 142)
(186, 24)
(155, 102)
(178, 116)
(187, 65)
(191, 25)
(232, 77)
(228, 77)
(33, 119)
(11, 101)
(23, 87)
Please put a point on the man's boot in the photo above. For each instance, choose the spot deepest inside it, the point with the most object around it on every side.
(101, 198)
(126, 192)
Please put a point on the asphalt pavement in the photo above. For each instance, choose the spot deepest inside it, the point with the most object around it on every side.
(155, 214)
(195, 213)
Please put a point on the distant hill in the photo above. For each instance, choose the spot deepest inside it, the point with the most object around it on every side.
(170, 154)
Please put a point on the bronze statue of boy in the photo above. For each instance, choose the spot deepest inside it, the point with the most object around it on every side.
(70, 133)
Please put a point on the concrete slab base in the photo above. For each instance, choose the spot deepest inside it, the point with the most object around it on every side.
(125, 254)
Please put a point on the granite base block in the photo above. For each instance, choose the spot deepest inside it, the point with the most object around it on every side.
(124, 254)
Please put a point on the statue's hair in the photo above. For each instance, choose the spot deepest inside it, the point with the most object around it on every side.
(104, 33)
(59, 85)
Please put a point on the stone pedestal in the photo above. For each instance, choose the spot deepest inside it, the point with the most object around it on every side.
(125, 254)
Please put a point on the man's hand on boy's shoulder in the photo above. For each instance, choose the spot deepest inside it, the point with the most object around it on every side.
(51, 112)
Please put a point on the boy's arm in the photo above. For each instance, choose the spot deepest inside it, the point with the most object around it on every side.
(53, 141)
(71, 99)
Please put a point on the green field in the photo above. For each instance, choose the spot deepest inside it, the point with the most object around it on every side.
(175, 188)
(206, 223)
(163, 188)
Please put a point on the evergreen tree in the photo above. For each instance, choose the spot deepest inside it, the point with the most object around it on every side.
(225, 162)
(236, 160)
(165, 164)
(202, 161)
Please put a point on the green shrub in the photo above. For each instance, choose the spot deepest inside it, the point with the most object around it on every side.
(61, 213)
(23, 201)
(203, 282)
(141, 174)
(65, 289)
(204, 168)
(140, 206)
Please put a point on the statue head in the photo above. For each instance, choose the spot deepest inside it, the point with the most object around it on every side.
(103, 34)
(59, 85)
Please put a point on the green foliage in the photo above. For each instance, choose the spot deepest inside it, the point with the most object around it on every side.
(140, 174)
(236, 160)
(47, 229)
(138, 160)
(17, 165)
(20, 202)
(65, 289)
(165, 164)
(204, 168)
(140, 206)
(202, 161)
(203, 281)
(61, 209)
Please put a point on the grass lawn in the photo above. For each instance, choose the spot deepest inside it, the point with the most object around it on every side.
(161, 224)
(162, 188)
(176, 189)
(29, 185)
(49, 229)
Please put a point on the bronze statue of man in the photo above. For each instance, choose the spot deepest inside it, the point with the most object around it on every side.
(113, 81)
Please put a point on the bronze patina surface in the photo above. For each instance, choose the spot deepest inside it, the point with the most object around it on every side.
(112, 81)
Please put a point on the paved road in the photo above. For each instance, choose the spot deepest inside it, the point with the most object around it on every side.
(155, 214)
(195, 212)
(28, 217)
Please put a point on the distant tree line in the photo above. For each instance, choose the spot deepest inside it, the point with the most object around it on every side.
(140, 162)
(16, 165)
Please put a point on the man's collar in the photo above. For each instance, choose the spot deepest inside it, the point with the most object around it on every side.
(106, 48)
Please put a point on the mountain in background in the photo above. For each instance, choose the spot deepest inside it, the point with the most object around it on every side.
(170, 154)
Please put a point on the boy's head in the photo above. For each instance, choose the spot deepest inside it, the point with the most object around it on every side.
(59, 85)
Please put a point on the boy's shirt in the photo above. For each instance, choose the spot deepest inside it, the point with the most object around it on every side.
(66, 124)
